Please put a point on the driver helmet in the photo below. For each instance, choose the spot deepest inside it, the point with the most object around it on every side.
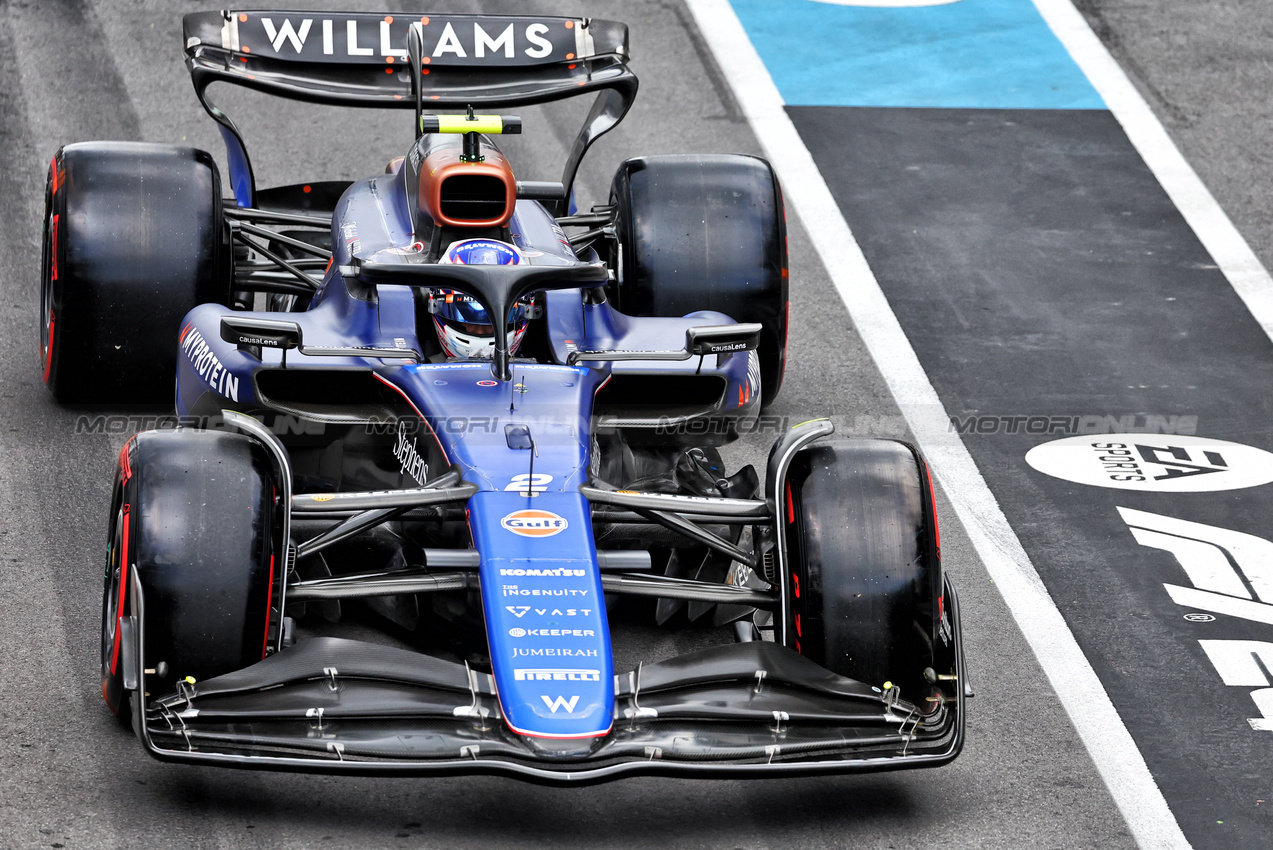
(463, 326)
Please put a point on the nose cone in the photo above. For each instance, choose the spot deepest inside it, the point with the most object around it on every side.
(545, 613)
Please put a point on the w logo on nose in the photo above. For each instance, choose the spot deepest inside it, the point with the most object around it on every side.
(561, 702)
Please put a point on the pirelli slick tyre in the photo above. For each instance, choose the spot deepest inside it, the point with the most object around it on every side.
(194, 517)
(704, 232)
(133, 239)
(863, 552)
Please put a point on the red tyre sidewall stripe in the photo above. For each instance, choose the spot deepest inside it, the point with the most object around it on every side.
(53, 262)
(48, 355)
(123, 584)
(125, 463)
(269, 599)
(932, 501)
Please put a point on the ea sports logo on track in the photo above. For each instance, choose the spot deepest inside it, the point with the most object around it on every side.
(534, 523)
(1160, 463)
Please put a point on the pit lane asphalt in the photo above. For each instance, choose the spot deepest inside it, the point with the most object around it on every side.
(70, 777)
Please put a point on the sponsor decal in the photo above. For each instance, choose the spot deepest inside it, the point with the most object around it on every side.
(520, 632)
(405, 452)
(207, 366)
(515, 590)
(354, 37)
(520, 611)
(555, 653)
(249, 339)
(350, 233)
(1231, 574)
(528, 484)
(1162, 464)
(561, 237)
(535, 523)
(550, 675)
(560, 702)
(487, 384)
(322, 497)
(554, 572)
(362, 38)
(753, 373)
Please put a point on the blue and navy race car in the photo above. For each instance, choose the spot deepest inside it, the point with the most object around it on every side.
(448, 469)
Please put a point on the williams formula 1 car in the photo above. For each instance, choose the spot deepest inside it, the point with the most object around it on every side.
(447, 494)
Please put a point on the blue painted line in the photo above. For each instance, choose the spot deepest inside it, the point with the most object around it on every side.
(970, 54)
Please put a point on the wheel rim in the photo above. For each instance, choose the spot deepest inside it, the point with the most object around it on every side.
(111, 594)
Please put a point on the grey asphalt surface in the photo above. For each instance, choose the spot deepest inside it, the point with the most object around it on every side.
(76, 71)
(1206, 70)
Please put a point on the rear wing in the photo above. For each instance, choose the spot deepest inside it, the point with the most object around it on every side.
(360, 59)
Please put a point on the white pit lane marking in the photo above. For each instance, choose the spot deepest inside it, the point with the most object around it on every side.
(1223, 242)
(1078, 688)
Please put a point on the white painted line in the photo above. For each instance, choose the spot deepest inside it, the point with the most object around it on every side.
(1236, 260)
(1079, 690)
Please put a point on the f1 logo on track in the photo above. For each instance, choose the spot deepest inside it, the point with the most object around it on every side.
(1232, 575)
(1231, 572)
(560, 702)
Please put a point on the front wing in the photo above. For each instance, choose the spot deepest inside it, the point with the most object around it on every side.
(748, 709)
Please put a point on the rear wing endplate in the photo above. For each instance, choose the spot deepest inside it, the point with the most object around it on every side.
(360, 59)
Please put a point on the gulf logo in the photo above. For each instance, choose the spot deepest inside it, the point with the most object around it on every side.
(534, 523)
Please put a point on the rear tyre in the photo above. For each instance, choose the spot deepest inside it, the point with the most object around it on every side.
(865, 566)
(194, 517)
(704, 232)
(133, 240)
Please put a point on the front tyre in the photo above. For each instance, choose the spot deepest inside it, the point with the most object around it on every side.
(194, 518)
(866, 583)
